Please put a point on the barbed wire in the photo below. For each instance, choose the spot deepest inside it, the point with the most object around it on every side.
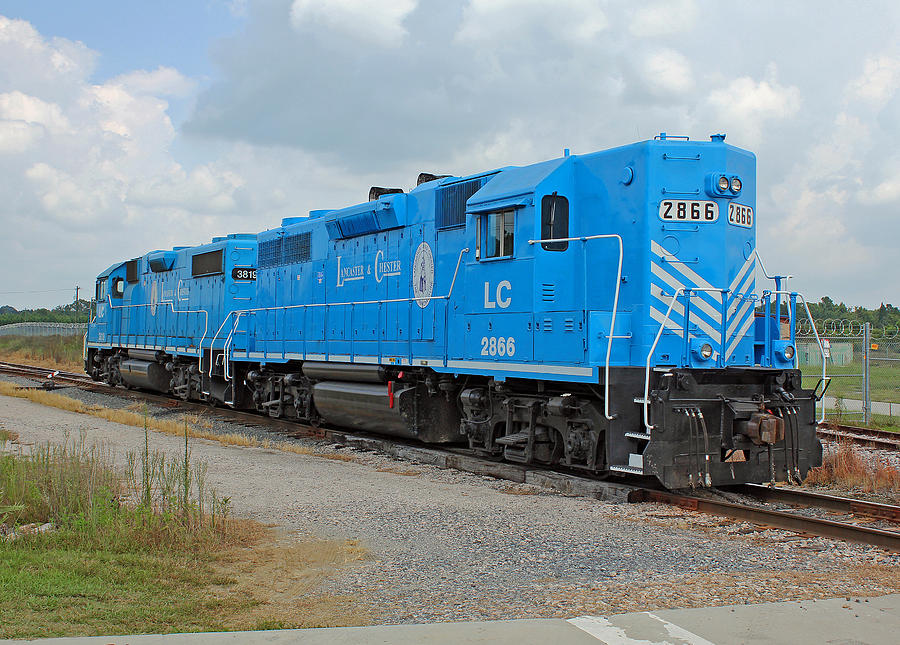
(844, 328)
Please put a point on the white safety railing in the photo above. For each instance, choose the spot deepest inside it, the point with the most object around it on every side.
(176, 311)
(687, 291)
(238, 313)
(612, 323)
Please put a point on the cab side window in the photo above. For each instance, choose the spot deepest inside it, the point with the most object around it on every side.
(118, 287)
(554, 222)
(499, 234)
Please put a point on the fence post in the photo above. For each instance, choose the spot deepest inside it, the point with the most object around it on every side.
(867, 380)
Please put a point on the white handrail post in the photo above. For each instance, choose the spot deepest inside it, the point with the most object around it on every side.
(612, 323)
(662, 327)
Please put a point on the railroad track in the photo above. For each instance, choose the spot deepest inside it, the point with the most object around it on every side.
(851, 528)
(862, 436)
(711, 502)
(45, 373)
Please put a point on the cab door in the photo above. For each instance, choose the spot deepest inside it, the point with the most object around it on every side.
(559, 285)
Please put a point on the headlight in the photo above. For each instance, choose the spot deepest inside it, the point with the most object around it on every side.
(706, 350)
(735, 185)
(723, 183)
(789, 352)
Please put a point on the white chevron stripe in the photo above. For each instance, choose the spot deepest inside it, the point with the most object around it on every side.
(686, 271)
(738, 319)
(659, 316)
(746, 285)
(738, 338)
(740, 275)
(740, 295)
(670, 280)
(714, 334)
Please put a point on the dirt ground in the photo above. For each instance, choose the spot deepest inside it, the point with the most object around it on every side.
(444, 545)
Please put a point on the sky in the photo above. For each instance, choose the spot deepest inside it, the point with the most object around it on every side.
(132, 126)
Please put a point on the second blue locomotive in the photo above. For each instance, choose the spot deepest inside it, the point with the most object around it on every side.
(595, 311)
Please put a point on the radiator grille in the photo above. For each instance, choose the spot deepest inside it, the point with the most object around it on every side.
(450, 205)
(285, 250)
(270, 253)
(297, 248)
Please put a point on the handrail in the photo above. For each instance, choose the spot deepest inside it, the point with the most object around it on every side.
(679, 291)
(774, 278)
(825, 377)
(239, 312)
(662, 326)
(612, 323)
(176, 311)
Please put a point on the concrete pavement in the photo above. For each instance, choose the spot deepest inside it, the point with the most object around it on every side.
(861, 621)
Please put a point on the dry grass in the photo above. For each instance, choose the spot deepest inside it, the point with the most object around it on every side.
(846, 466)
(520, 490)
(406, 472)
(279, 582)
(130, 416)
(136, 553)
(7, 436)
(57, 352)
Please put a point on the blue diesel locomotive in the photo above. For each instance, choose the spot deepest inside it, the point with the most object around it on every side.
(593, 311)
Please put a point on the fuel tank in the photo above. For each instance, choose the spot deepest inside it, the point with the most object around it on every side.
(151, 376)
(398, 410)
(343, 372)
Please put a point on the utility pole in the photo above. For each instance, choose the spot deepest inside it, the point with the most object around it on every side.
(867, 375)
(77, 289)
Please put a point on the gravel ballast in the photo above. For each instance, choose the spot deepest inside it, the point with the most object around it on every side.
(447, 545)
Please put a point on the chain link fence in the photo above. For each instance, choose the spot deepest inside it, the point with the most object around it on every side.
(863, 362)
(43, 329)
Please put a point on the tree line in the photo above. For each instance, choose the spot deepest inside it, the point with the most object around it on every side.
(68, 313)
(886, 315)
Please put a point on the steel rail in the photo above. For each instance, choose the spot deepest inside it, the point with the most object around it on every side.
(818, 500)
(864, 436)
(45, 372)
(779, 519)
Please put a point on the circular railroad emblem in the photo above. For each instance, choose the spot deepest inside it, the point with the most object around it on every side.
(423, 274)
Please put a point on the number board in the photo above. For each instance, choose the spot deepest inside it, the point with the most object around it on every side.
(238, 273)
(688, 210)
(740, 215)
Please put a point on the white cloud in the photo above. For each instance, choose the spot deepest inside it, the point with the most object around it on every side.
(374, 21)
(205, 189)
(501, 23)
(163, 81)
(661, 18)
(746, 105)
(18, 136)
(37, 66)
(667, 72)
(878, 82)
(16, 106)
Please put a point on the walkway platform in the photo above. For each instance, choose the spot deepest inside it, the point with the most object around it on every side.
(872, 621)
